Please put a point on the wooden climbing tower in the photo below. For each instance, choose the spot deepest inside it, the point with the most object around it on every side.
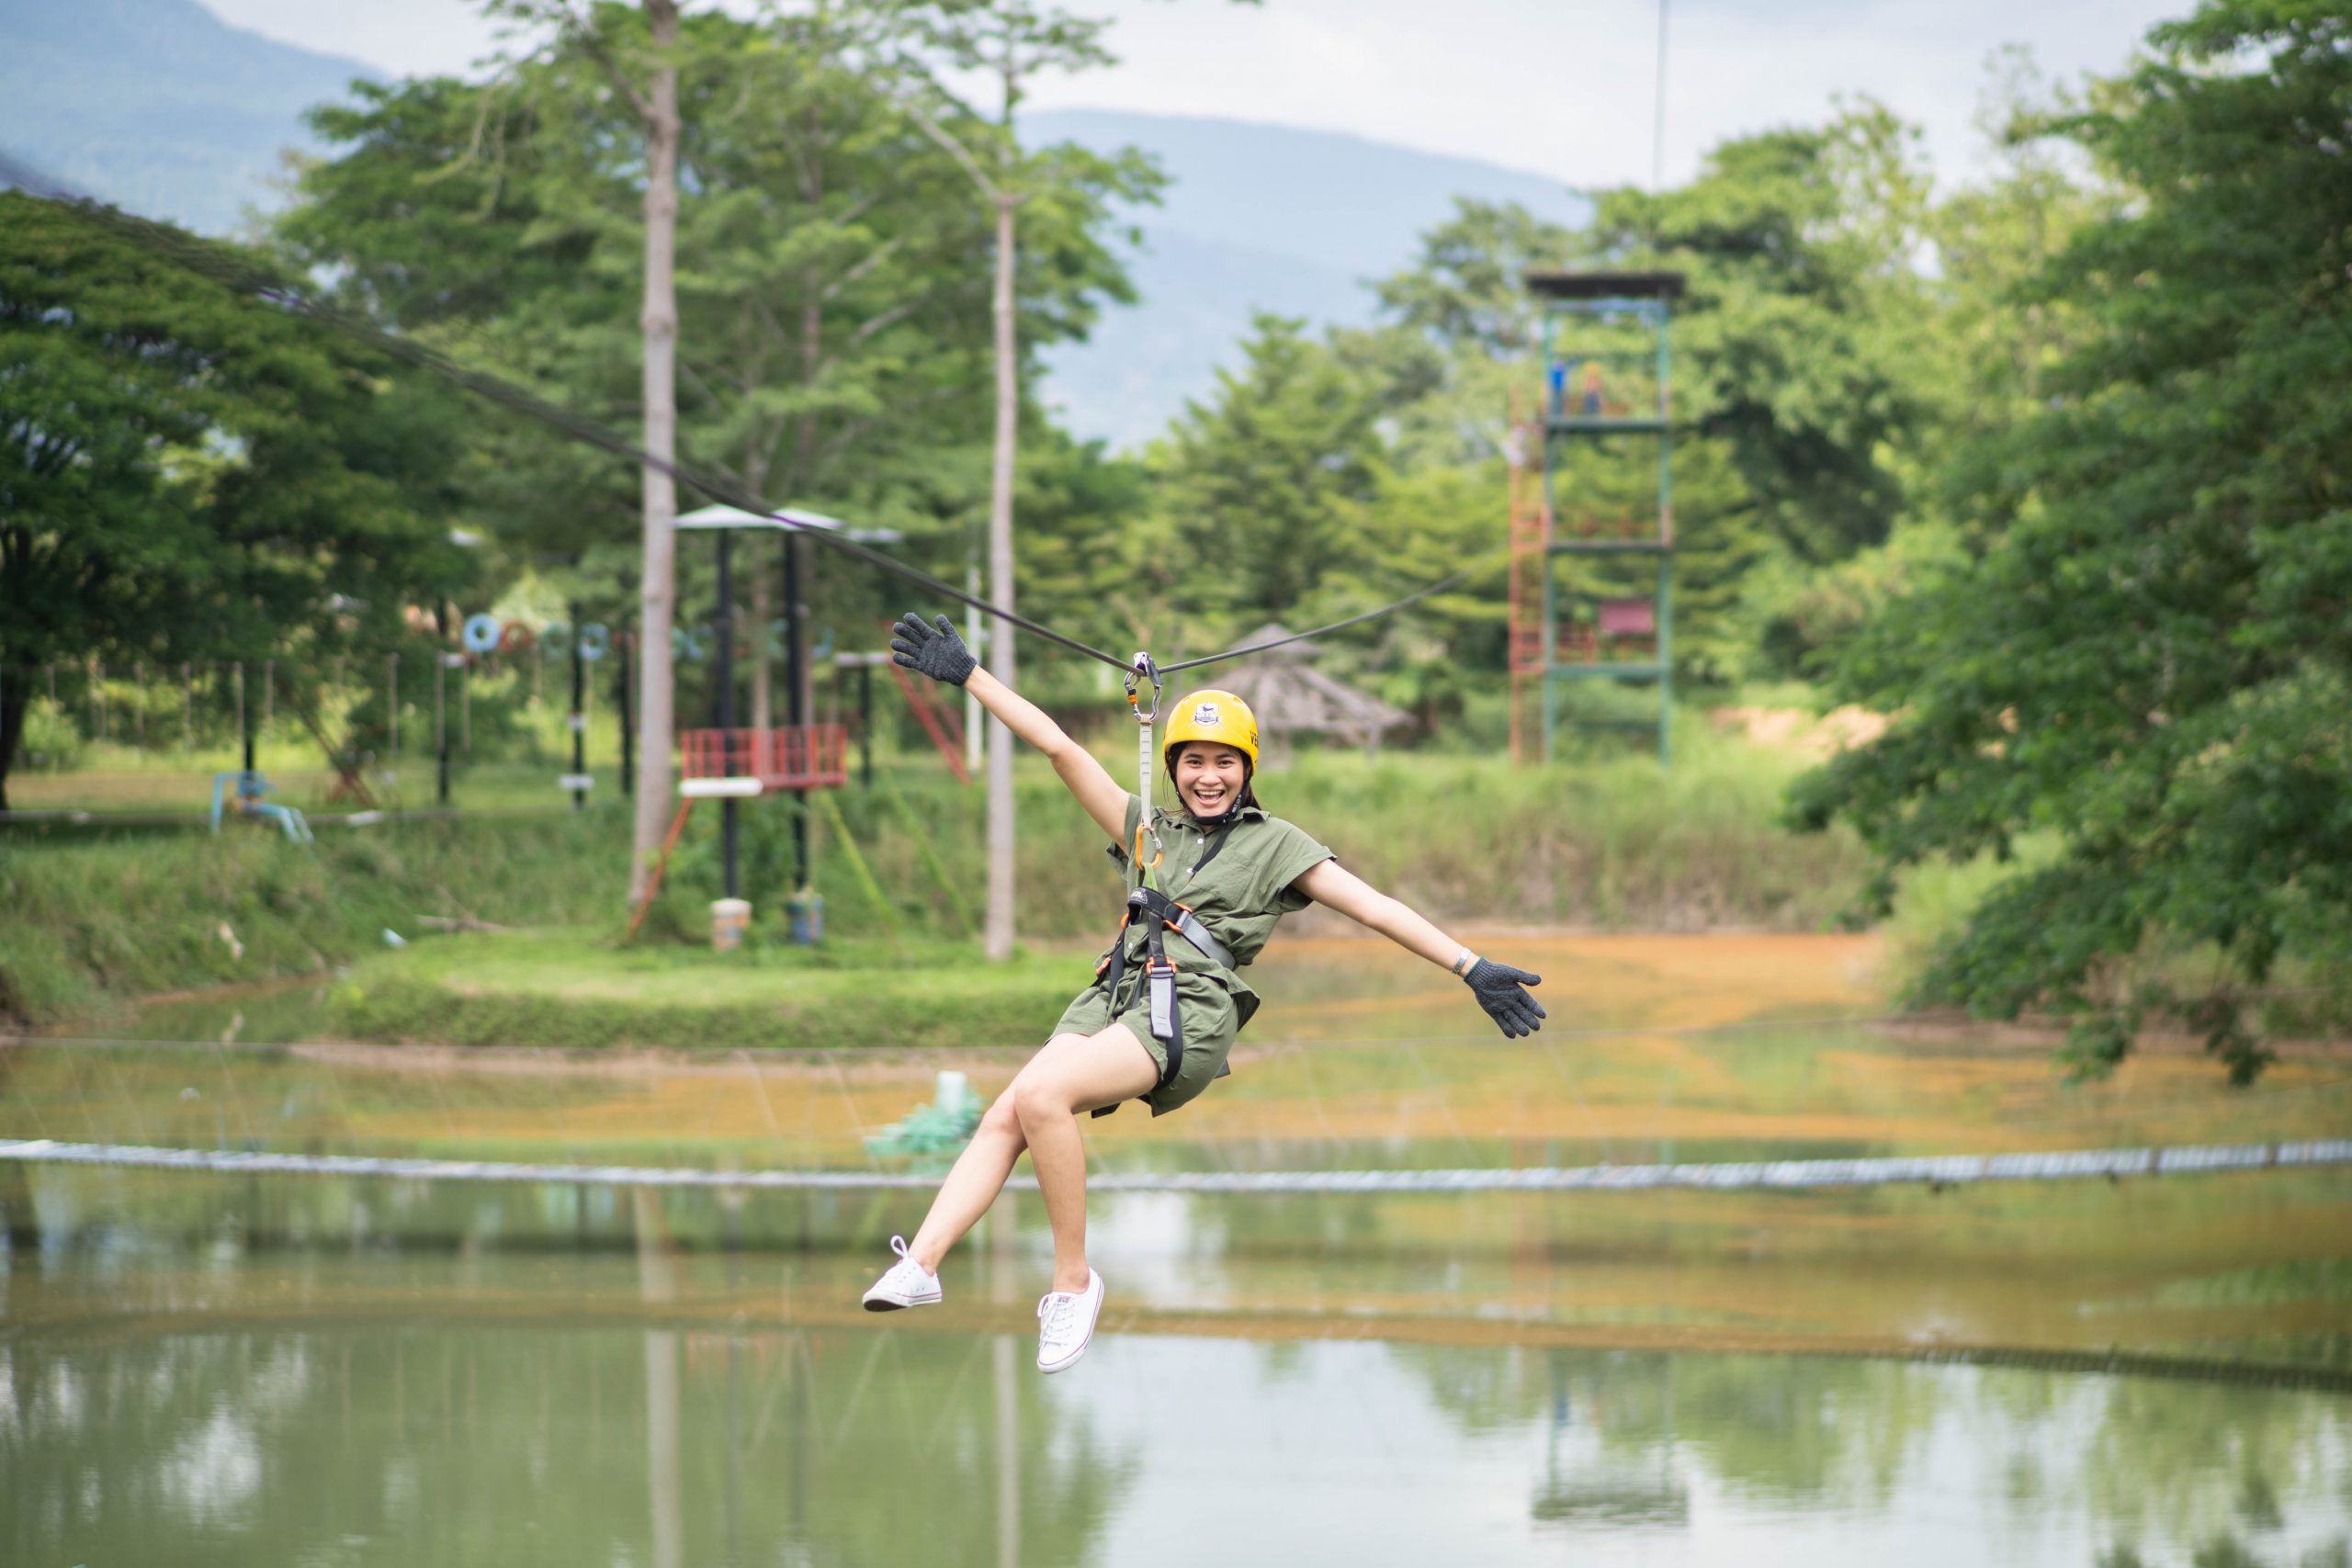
(1592, 508)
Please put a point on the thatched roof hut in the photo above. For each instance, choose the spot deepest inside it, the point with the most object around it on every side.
(1291, 697)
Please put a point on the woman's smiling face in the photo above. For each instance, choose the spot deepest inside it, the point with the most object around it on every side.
(1210, 777)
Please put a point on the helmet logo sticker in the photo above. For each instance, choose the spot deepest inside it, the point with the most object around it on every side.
(1207, 713)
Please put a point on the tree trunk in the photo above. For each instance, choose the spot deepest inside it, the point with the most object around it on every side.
(16, 691)
(659, 591)
(1000, 921)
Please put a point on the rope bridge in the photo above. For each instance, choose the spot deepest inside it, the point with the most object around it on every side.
(1933, 1170)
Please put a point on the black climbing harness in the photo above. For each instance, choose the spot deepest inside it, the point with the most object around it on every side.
(1155, 910)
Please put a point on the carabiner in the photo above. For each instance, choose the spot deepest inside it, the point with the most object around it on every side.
(1142, 666)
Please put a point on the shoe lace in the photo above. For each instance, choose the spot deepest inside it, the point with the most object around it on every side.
(1056, 1309)
(898, 1245)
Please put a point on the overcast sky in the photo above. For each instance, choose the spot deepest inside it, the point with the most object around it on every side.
(1560, 87)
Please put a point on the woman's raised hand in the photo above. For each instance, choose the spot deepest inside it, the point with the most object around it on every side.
(1502, 991)
(934, 650)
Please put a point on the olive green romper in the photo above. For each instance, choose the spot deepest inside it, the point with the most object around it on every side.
(1242, 892)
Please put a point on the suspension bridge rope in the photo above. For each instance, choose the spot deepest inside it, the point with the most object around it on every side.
(1933, 1170)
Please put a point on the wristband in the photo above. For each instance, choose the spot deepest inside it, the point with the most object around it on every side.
(1464, 964)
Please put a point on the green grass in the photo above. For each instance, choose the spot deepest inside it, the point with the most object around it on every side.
(580, 990)
(88, 919)
(91, 916)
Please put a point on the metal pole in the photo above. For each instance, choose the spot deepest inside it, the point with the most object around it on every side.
(268, 692)
(245, 736)
(579, 708)
(1665, 659)
(796, 661)
(726, 707)
(628, 729)
(441, 722)
(865, 725)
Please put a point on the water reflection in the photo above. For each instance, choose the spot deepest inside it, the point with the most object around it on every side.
(369, 1425)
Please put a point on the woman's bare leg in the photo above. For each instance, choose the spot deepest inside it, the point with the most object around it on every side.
(974, 1181)
(1070, 1076)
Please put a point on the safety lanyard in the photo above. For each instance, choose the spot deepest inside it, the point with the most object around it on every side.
(1142, 670)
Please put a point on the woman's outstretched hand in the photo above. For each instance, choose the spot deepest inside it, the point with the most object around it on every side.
(1502, 991)
(934, 650)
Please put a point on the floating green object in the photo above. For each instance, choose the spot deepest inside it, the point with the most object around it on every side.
(942, 1126)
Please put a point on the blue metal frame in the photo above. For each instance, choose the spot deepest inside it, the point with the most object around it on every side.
(1560, 424)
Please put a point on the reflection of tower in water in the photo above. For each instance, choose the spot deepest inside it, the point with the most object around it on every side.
(1596, 1487)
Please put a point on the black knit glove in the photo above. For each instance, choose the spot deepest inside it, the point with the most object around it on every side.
(1501, 990)
(934, 651)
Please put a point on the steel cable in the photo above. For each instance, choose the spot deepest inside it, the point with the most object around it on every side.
(232, 271)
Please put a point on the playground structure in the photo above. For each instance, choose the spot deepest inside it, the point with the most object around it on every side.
(730, 764)
(1591, 527)
(251, 786)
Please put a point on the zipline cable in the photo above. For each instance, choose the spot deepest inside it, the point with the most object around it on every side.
(211, 261)
(214, 261)
(1439, 586)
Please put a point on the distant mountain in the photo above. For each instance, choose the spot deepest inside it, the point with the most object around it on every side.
(161, 107)
(157, 106)
(1256, 218)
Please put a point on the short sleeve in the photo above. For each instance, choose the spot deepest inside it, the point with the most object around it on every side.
(1291, 855)
(1118, 851)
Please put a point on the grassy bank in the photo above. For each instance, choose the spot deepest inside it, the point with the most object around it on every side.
(1611, 844)
(572, 989)
(92, 916)
(87, 921)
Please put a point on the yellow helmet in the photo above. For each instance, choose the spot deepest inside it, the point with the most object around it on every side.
(1212, 715)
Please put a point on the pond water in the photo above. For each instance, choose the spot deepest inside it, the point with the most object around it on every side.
(202, 1369)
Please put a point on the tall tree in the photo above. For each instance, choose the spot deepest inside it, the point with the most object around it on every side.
(2152, 661)
(1467, 286)
(1265, 484)
(186, 473)
(1012, 41)
(637, 53)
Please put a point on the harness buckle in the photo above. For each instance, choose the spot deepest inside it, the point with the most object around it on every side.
(1160, 975)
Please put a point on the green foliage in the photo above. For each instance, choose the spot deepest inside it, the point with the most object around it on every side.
(2151, 657)
(1807, 367)
(51, 741)
(833, 325)
(1467, 288)
(188, 473)
(1263, 487)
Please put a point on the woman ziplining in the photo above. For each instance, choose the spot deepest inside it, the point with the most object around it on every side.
(1168, 996)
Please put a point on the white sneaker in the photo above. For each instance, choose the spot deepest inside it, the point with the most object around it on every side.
(1066, 1324)
(907, 1284)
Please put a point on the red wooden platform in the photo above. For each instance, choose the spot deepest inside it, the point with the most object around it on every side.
(807, 756)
